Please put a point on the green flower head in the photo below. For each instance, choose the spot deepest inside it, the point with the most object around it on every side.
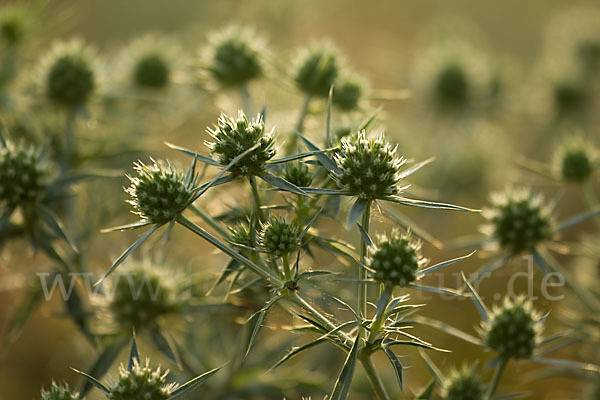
(141, 383)
(512, 329)
(396, 259)
(575, 160)
(69, 74)
(234, 56)
(369, 167)
(348, 91)
(23, 175)
(279, 237)
(569, 97)
(14, 24)
(241, 234)
(59, 392)
(159, 192)
(519, 220)
(452, 85)
(317, 68)
(232, 137)
(298, 174)
(463, 384)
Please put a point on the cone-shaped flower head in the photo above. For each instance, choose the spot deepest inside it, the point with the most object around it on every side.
(519, 220)
(348, 91)
(512, 329)
(144, 293)
(298, 174)
(452, 85)
(396, 259)
(570, 97)
(14, 24)
(232, 137)
(23, 175)
(59, 392)
(463, 384)
(151, 71)
(575, 160)
(141, 383)
(241, 234)
(234, 56)
(69, 74)
(279, 237)
(159, 191)
(369, 167)
(316, 70)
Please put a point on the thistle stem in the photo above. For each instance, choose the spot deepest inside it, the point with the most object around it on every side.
(500, 368)
(362, 271)
(256, 199)
(210, 221)
(285, 260)
(374, 378)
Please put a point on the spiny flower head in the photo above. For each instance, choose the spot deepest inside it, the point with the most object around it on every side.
(519, 220)
(512, 329)
(463, 384)
(142, 294)
(141, 383)
(59, 392)
(278, 236)
(232, 137)
(13, 24)
(575, 160)
(69, 74)
(348, 91)
(396, 259)
(570, 97)
(159, 191)
(241, 234)
(369, 167)
(234, 56)
(317, 68)
(298, 174)
(23, 175)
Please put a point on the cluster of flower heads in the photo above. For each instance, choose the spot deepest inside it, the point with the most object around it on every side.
(368, 167)
(59, 392)
(396, 259)
(519, 220)
(232, 137)
(141, 382)
(512, 329)
(279, 237)
(159, 192)
(463, 384)
(23, 175)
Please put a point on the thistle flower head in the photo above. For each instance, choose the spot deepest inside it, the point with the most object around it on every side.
(298, 174)
(570, 97)
(463, 384)
(232, 137)
(13, 24)
(241, 234)
(159, 191)
(575, 160)
(142, 382)
(512, 329)
(23, 175)
(142, 294)
(369, 167)
(69, 74)
(59, 392)
(519, 220)
(348, 91)
(396, 259)
(317, 68)
(279, 237)
(234, 56)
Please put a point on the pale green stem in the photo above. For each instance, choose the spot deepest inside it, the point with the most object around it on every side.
(256, 199)
(500, 368)
(210, 221)
(374, 378)
(285, 260)
(362, 271)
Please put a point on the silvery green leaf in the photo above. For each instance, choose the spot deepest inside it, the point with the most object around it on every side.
(342, 385)
(427, 204)
(165, 345)
(577, 219)
(104, 361)
(359, 207)
(365, 235)
(443, 264)
(567, 363)
(134, 354)
(406, 223)
(52, 221)
(490, 267)
(282, 184)
(481, 308)
(325, 191)
(193, 154)
(258, 323)
(325, 161)
(93, 381)
(193, 384)
(409, 171)
(395, 363)
(127, 227)
(433, 369)
(297, 350)
(448, 329)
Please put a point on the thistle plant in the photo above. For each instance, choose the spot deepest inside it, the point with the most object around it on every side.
(395, 260)
(59, 392)
(463, 384)
(317, 68)
(575, 160)
(279, 237)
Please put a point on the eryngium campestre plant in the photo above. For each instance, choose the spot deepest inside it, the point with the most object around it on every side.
(512, 329)
(23, 175)
(348, 91)
(279, 237)
(298, 174)
(233, 137)
(519, 220)
(141, 382)
(234, 56)
(396, 259)
(59, 392)
(159, 192)
(69, 74)
(142, 295)
(316, 70)
(575, 160)
(463, 384)
(369, 167)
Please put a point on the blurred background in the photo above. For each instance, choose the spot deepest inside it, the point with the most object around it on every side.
(524, 97)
